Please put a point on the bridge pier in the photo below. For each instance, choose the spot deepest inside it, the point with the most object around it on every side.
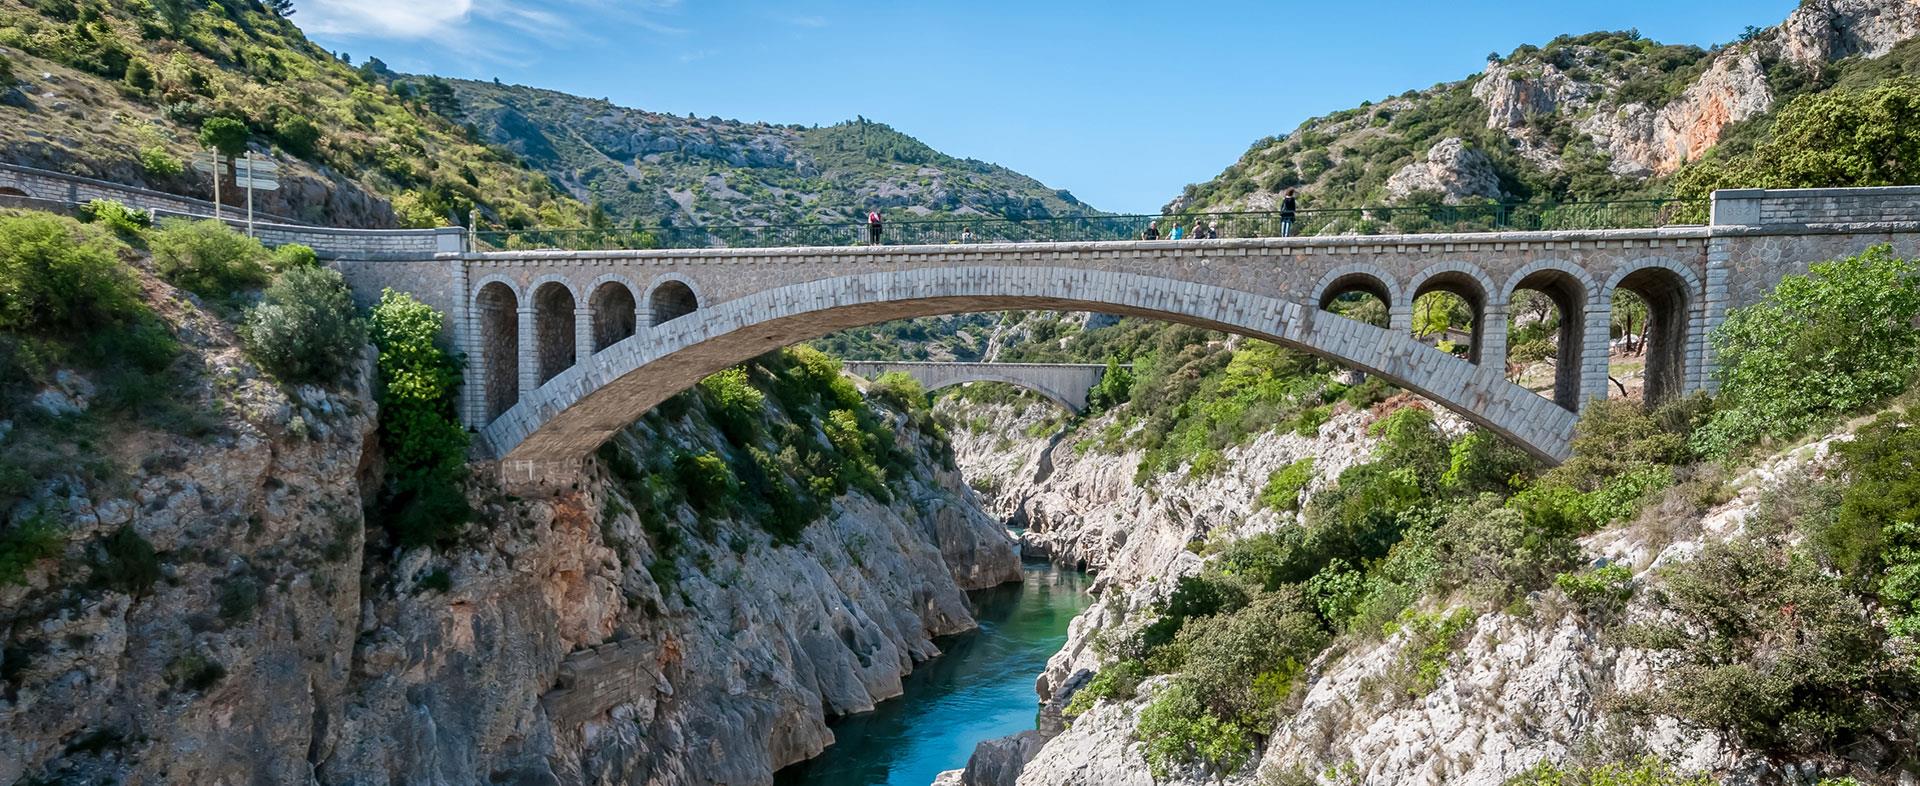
(528, 351)
(582, 334)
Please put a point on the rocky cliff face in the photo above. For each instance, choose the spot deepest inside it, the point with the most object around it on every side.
(1523, 687)
(1543, 118)
(279, 641)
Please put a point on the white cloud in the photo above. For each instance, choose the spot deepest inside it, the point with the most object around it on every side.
(384, 18)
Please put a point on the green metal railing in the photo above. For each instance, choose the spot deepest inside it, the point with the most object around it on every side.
(1520, 217)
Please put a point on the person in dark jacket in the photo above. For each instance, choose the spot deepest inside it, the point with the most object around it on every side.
(1288, 206)
(1153, 231)
(873, 227)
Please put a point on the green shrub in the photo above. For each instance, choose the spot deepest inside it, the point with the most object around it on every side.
(305, 328)
(208, 258)
(1600, 592)
(1240, 666)
(1285, 485)
(155, 160)
(7, 79)
(1116, 682)
(1178, 729)
(1648, 772)
(292, 256)
(1772, 652)
(1874, 537)
(224, 134)
(1480, 462)
(900, 390)
(1114, 388)
(25, 543)
(1310, 420)
(127, 562)
(1499, 552)
(708, 482)
(239, 597)
(57, 275)
(737, 407)
(130, 225)
(1431, 642)
(1820, 345)
(194, 673)
(423, 500)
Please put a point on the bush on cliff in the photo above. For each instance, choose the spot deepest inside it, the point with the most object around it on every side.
(424, 498)
(1819, 346)
(208, 258)
(306, 329)
(56, 274)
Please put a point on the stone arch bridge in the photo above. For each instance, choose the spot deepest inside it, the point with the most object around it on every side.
(565, 348)
(1065, 384)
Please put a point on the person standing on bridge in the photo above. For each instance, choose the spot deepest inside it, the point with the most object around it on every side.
(1178, 232)
(1287, 207)
(1199, 230)
(873, 227)
(966, 234)
(1153, 231)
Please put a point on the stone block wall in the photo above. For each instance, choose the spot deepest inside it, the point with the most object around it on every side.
(1815, 206)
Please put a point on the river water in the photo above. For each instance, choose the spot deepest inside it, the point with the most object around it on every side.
(980, 688)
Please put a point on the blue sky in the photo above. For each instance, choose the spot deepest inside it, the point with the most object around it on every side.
(1121, 102)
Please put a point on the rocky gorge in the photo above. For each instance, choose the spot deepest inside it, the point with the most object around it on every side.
(218, 609)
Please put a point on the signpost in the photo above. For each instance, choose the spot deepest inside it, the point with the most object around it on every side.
(251, 172)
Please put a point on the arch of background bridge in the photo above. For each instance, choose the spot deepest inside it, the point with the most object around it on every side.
(1471, 285)
(581, 408)
(1059, 398)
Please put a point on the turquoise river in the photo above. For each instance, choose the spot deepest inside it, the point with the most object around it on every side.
(980, 688)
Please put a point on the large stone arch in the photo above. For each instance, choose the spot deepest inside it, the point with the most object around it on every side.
(1061, 399)
(1583, 325)
(1471, 284)
(572, 415)
(1676, 320)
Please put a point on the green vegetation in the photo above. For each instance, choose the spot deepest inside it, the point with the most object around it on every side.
(1819, 346)
(208, 258)
(1643, 773)
(423, 501)
(1116, 682)
(306, 328)
(793, 434)
(125, 562)
(25, 543)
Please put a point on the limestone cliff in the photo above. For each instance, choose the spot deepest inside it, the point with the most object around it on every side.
(280, 640)
(1523, 686)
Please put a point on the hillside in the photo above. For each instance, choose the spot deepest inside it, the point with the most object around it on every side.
(120, 91)
(1608, 115)
(658, 170)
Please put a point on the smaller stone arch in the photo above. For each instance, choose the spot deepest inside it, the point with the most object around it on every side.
(1574, 296)
(616, 313)
(496, 305)
(1670, 291)
(554, 335)
(1361, 278)
(1464, 281)
(9, 191)
(672, 297)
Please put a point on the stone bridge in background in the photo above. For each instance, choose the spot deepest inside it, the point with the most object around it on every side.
(565, 348)
(1065, 384)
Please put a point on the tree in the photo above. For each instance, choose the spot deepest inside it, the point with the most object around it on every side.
(225, 135)
(280, 8)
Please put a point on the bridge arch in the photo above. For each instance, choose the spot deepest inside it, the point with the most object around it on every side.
(671, 297)
(555, 308)
(496, 306)
(572, 415)
(1464, 281)
(1363, 278)
(616, 312)
(1574, 295)
(1676, 322)
(1059, 399)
